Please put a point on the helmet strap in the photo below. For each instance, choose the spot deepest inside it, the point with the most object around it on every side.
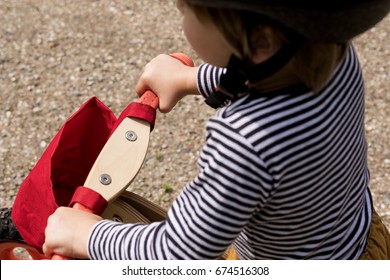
(232, 85)
(261, 71)
(239, 73)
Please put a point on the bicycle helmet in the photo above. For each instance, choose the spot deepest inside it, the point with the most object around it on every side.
(323, 21)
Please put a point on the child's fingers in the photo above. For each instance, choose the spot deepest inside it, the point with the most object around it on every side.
(143, 82)
(47, 251)
(140, 88)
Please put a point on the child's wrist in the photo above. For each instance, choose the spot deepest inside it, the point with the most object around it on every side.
(191, 87)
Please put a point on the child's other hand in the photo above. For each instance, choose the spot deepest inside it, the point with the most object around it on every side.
(169, 79)
(67, 233)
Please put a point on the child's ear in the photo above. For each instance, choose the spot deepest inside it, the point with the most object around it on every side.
(262, 45)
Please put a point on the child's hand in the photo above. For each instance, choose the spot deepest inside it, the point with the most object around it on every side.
(169, 79)
(67, 233)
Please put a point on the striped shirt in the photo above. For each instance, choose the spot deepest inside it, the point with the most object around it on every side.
(281, 176)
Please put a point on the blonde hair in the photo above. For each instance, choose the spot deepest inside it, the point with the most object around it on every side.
(312, 65)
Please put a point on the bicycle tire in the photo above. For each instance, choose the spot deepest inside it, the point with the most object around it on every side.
(18, 250)
(13, 247)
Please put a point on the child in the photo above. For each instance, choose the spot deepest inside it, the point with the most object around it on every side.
(283, 173)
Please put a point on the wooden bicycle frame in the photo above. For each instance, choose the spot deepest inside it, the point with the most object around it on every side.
(115, 169)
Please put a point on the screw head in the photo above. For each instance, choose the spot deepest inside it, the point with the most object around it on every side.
(117, 218)
(105, 179)
(131, 135)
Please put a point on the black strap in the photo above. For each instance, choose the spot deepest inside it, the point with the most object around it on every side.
(234, 82)
(258, 72)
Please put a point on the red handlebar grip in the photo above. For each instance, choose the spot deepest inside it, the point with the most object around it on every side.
(183, 58)
(149, 97)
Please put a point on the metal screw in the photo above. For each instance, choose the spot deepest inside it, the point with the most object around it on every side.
(116, 218)
(105, 179)
(131, 136)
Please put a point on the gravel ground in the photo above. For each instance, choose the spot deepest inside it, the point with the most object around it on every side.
(56, 54)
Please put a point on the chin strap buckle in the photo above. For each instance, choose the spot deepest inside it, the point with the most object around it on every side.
(233, 85)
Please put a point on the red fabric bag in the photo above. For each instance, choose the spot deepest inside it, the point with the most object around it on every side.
(65, 164)
(63, 167)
